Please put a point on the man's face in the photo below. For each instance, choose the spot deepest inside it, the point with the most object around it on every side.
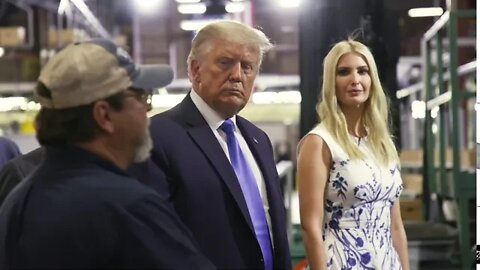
(133, 126)
(142, 153)
(224, 76)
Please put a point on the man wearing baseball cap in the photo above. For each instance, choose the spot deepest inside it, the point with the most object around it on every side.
(79, 209)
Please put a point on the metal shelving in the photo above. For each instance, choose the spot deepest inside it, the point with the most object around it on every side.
(444, 138)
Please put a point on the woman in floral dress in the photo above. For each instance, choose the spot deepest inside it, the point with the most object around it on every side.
(349, 179)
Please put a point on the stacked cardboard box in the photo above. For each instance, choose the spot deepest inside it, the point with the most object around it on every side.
(410, 203)
(65, 36)
(12, 36)
(412, 169)
(411, 209)
(467, 158)
(413, 183)
(411, 158)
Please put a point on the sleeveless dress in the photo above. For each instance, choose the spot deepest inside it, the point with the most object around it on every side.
(358, 198)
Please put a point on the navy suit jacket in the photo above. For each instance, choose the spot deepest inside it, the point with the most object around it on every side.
(203, 187)
(17, 169)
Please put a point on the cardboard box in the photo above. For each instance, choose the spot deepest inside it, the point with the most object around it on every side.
(414, 158)
(121, 40)
(413, 182)
(12, 36)
(409, 157)
(411, 209)
(467, 158)
(65, 36)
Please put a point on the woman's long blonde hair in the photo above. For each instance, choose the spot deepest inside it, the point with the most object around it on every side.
(375, 117)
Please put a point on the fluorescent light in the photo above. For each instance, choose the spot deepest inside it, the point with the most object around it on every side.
(282, 97)
(434, 112)
(234, 7)
(12, 103)
(31, 106)
(64, 4)
(418, 109)
(264, 97)
(147, 6)
(289, 3)
(193, 25)
(2, 51)
(167, 100)
(187, 1)
(286, 97)
(425, 12)
(199, 8)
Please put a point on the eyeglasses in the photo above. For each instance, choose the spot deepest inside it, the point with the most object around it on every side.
(141, 95)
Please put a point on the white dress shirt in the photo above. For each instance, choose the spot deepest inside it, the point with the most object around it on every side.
(215, 121)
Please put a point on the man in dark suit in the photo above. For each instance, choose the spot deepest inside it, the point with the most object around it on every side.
(193, 152)
(8, 150)
(79, 208)
(16, 170)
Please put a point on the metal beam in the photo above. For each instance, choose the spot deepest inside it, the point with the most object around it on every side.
(436, 26)
(87, 13)
(89, 18)
(461, 70)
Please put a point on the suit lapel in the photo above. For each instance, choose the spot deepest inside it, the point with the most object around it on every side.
(206, 141)
(257, 146)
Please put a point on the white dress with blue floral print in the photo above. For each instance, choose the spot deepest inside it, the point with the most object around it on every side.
(358, 198)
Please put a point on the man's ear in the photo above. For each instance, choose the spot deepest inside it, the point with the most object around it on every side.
(101, 114)
(195, 70)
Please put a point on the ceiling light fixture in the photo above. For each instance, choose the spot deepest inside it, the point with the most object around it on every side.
(289, 3)
(199, 8)
(234, 7)
(64, 4)
(425, 12)
(193, 25)
(149, 6)
(187, 1)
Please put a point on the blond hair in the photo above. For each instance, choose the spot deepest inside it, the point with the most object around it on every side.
(375, 117)
(231, 31)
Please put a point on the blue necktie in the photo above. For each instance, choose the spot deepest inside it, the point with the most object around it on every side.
(251, 193)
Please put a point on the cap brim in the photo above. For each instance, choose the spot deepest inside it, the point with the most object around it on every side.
(153, 76)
